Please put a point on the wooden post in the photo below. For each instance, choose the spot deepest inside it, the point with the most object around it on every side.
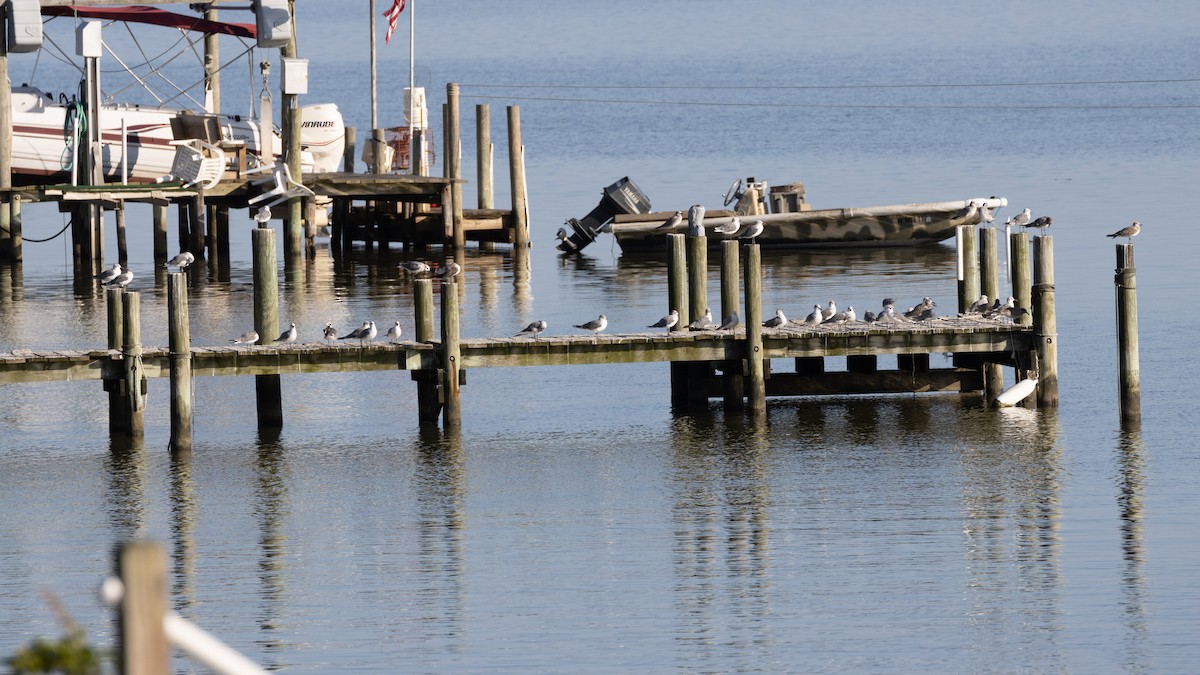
(221, 215)
(6, 226)
(196, 214)
(756, 368)
(116, 339)
(968, 269)
(293, 223)
(677, 299)
(989, 284)
(1129, 373)
(733, 384)
(131, 353)
(483, 152)
(516, 173)
(142, 567)
(697, 268)
(428, 405)
(348, 150)
(179, 338)
(122, 248)
(6, 131)
(454, 156)
(183, 225)
(1021, 276)
(159, 216)
(268, 392)
(15, 245)
(451, 406)
(1045, 323)
(212, 63)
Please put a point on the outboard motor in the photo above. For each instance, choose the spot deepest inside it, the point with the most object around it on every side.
(620, 197)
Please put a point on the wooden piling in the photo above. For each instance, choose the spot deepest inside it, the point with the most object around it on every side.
(6, 133)
(179, 339)
(1045, 323)
(451, 405)
(697, 275)
(15, 242)
(989, 285)
(122, 246)
(429, 407)
(454, 157)
(968, 266)
(677, 299)
(183, 224)
(221, 215)
(516, 173)
(732, 381)
(1021, 275)
(268, 391)
(756, 389)
(197, 214)
(1129, 377)
(159, 218)
(483, 152)
(116, 333)
(131, 354)
(142, 639)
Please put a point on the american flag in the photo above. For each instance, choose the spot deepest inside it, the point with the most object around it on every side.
(393, 15)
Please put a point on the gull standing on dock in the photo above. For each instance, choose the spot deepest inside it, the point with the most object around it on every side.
(696, 221)
(394, 332)
(448, 271)
(595, 325)
(1128, 232)
(978, 306)
(122, 280)
(817, 317)
(869, 316)
(109, 274)
(247, 338)
(753, 232)
(705, 322)
(672, 222)
(776, 321)
(730, 322)
(288, 335)
(667, 321)
(998, 310)
(415, 267)
(731, 227)
(927, 304)
(181, 261)
(829, 311)
(330, 332)
(365, 332)
(533, 329)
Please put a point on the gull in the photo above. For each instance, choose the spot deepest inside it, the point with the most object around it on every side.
(394, 332)
(109, 274)
(967, 211)
(753, 232)
(889, 315)
(696, 221)
(978, 306)
(670, 223)
(371, 332)
(869, 316)
(730, 322)
(829, 311)
(288, 335)
(986, 215)
(561, 235)
(1020, 219)
(667, 321)
(450, 270)
(181, 261)
(927, 304)
(839, 317)
(991, 311)
(595, 325)
(927, 314)
(776, 321)
(414, 266)
(122, 280)
(1002, 310)
(816, 317)
(262, 215)
(1128, 232)
(360, 333)
(533, 329)
(850, 315)
(1041, 222)
(1012, 313)
(731, 227)
(703, 323)
(247, 338)
(330, 332)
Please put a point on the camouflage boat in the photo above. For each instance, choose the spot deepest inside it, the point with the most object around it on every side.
(792, 223)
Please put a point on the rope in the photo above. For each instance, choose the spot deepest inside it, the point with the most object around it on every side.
(58, 234)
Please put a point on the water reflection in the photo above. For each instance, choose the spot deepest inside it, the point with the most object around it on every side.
(272, 511)
(128, 480)
(441, 520)
(183, 527)
(1131, 486)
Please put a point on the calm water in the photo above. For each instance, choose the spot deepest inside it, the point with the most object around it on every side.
(575, 523)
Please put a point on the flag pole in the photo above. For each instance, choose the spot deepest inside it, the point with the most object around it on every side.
(374, 118)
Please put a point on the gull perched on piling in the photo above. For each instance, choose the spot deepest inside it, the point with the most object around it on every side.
(247, 338)
(776, 321)
(731, 227)
(669, 321)
(122, 280)
(533, 329)
(181, 261)
(1128, 232)
(672, 222)
(1041, 222)
(986, 215)
(753, 232)
(595, 325)
(705, 322)
(414, 267)
(448, 271)
(1021, 218)
(288, 335)
(394, 332)
(109, 274)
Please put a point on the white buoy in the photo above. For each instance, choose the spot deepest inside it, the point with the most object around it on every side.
(1017, 393)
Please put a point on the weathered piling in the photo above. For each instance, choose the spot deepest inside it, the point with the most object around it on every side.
(516, 173)
(484, 174)
(134, 389)
(116, 333)
(268, 391)
(428, 405)
(968, 266)
(454, 160)
(677, 299)
(15, 246)
(755, 367)
(451, 405)
(142, 639)
(159, 219)
(1022, 285)
(697, 276)
(197, 214)
(1045, 323)
(1129, 379)
(732, 383)
(122, 246)
(179, 339)
(989, 285)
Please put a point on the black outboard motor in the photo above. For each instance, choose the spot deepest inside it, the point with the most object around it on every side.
(620, 197)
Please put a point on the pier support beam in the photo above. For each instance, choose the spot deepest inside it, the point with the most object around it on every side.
(454, 162)
(451, 405)
(677, 299)
(268, 391)
(1129, 374)
(516, 172)
(159, 218)
(732, 381)
(1022, 284)
(756, 388)
(968, 266)
(134, 385)
(697, 276)
(179, 339)
(429, 407)
(483, 152)
(989, 285)
(1045, 323)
